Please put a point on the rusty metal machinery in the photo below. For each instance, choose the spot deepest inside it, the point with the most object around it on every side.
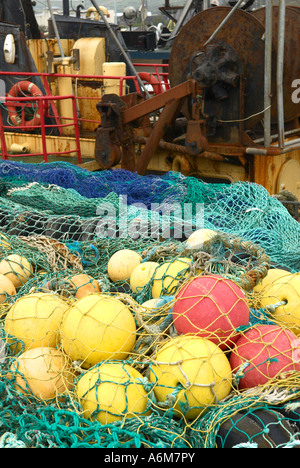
(227, 68)
(215, 108)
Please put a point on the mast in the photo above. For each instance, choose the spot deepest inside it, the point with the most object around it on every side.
(66, 7)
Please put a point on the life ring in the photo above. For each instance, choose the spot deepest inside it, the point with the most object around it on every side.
(152, 80)
(22, 89)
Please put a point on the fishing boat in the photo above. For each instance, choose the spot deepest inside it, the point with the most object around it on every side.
(51, 85)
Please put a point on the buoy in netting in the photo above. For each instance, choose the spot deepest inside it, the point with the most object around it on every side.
(7, 289)
(256, 428)
(35, 319)
(263, 353)
(168, 275)
(272, 275)
(141, 275)
(191, 373)
(82, 285)
(16, 268)
(111, 392)
(122, 263)
(212, 307)
(96, 328)
(282, 300)
(43, 372)
(197, 238)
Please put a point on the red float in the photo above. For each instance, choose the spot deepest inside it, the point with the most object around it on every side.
(264, 352)
(212, 307)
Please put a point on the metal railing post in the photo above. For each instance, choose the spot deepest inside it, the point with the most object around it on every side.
(268, 73)
(280, 65)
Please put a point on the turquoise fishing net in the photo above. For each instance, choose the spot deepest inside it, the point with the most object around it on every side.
(243, 209)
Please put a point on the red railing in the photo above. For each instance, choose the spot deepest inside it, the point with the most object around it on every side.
(43, 110)
(46, 103)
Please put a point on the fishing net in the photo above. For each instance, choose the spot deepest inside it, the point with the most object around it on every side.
(118, 332)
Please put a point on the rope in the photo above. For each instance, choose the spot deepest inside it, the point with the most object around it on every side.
(9, 440)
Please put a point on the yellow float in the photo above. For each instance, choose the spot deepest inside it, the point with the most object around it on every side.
(167, 276)
(17, 269)
(83, 285)
(197, 238)
(35, 320)
(44, 372)
(192, 372)
(112, 391)
(282, 299)
(122, 263)
(7, 289)
(96, 328)
(272, 275)
(141, 275)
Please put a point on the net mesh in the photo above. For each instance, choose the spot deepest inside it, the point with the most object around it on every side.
(116, 331)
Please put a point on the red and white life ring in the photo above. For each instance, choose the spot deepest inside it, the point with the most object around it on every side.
(152, 80)
(20, 90)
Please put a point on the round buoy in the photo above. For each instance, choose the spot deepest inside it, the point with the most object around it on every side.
(282, 299)
(7, 289)
(192, 372)
(167, 276)
(35, 320)
(96, 328)
(141, 275)
(264, 352)
(259, 428)
(83, 284)
(17, 269)
(212, 307)
(122, 263)
(273, 275)
(112, 391)
(44, 372)
(197, 238)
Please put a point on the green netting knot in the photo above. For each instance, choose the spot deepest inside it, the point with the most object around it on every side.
(240, 373)
(146, 384)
